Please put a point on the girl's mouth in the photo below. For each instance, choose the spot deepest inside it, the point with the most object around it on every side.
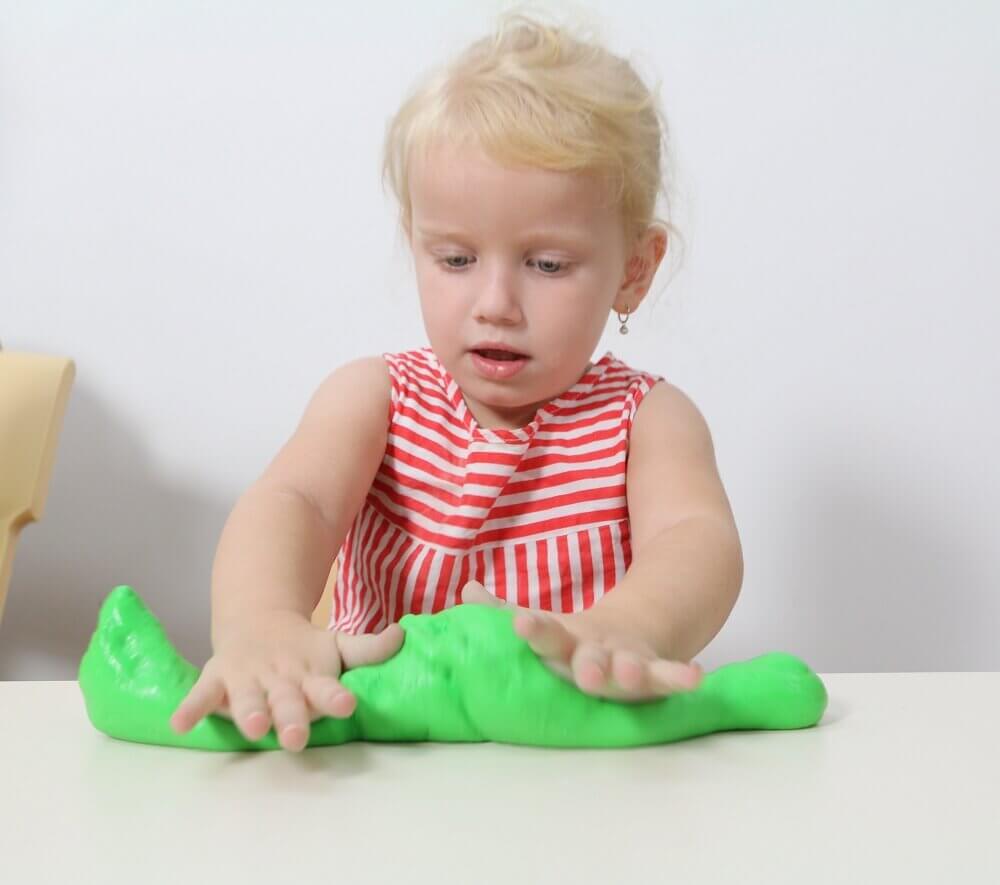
(497, 363)
(499, 354)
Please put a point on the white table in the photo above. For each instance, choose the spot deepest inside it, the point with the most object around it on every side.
(899, 783)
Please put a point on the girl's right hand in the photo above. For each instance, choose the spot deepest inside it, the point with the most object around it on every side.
(277, 667)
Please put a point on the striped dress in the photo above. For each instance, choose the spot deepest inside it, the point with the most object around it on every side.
(538, 515)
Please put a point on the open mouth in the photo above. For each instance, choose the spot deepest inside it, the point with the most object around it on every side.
(497, 365)
(501, 355)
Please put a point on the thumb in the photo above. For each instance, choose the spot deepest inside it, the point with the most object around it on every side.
(476, 594)
(369, 648)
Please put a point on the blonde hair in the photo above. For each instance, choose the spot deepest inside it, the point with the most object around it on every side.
(533, 94)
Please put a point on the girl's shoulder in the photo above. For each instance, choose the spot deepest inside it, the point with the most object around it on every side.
(620, 369)
(628, 382)
(416, 374)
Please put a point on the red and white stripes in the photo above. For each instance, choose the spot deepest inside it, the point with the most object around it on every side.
(538, 515)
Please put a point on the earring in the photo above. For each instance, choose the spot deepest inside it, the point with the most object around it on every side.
(623, 320)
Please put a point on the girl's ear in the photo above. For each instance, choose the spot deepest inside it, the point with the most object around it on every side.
(641, 267)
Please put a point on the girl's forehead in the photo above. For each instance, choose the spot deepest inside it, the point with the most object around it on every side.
(446, 162)
(447, 179)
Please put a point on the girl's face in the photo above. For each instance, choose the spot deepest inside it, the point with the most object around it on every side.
(527, 257)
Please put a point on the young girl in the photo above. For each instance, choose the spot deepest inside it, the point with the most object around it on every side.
(498, 465)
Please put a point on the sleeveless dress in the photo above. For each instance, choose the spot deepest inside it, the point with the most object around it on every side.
(537, 514)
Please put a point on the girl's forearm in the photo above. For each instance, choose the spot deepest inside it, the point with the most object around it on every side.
(275, 554)
(678, 591)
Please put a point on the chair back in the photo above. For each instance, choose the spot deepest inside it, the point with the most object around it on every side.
(321, 614)
(34, 390)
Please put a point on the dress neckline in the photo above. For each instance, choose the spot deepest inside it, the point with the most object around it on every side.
(567, 398)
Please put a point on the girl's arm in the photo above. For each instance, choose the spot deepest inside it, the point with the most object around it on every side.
(687, 561)
(279, 543)
(684, 578)
(269, 664)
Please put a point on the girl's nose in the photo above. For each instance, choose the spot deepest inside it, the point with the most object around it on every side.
(498, 301)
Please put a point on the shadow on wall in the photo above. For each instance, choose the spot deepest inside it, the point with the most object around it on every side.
(882, 572)
(109, 520)
(861, 556)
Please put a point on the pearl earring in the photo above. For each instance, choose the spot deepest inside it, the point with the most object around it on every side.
(623, 320)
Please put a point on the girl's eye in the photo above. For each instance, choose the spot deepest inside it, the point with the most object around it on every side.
(550, 267)
(547, 266)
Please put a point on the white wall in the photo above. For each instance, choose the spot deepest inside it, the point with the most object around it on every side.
(190, 207)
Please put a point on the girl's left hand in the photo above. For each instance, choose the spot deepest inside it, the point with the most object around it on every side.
(620, 667)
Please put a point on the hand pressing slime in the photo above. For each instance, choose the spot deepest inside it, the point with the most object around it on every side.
(461, 675)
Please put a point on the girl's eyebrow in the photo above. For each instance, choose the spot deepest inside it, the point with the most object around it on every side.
(441, 234)
(570, 236)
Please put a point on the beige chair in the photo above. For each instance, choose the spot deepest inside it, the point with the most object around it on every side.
(34, 390)
(321, 614)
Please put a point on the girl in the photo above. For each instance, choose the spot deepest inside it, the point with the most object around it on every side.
(499, 464)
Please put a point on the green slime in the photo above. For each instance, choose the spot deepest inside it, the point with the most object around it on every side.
(462, 674)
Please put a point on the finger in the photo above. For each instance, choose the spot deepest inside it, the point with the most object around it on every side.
(206, 695)
(547, 637)
(369, 648)
(669, 677)
(630, 672)
(328, 696)
(248, 707)
(474, 593)
(289, 712)
(591, 667)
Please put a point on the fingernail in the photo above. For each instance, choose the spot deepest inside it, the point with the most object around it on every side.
(337, 695)
(597, 674)
(255, 717)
